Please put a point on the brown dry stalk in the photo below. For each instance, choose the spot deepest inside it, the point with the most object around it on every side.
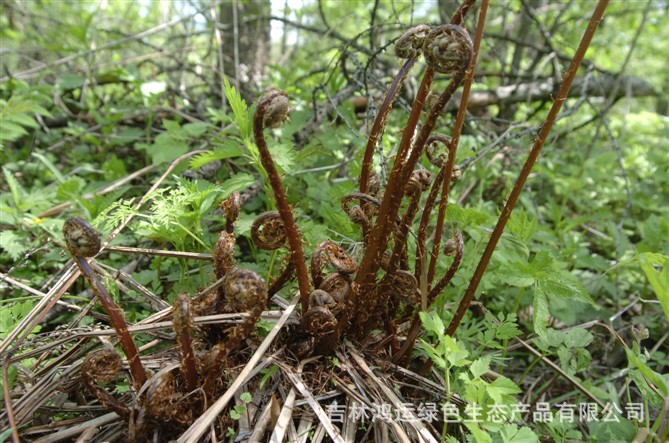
(261, 119)
(527, 167)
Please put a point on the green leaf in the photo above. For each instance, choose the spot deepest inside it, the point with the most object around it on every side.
(14, 244)
(521, 274)
(175, 130)
(14, 186)
(228, 150)
(455, 352)
(283, 156)
(540, 313)
(658, 278)
(70, 188)
(565, 285)
(501, 387)
(239, 109)
(432, 322)
(70, 81)
(237, 183)
(655, 378)
(516, 274)
(196, 129)
(246, 397)
(512, 434)
(522, 225)
(166, 149)
(480, 366)
(480, 436)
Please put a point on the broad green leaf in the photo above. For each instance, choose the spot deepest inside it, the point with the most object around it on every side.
(70, 80)
(166, 149)
(501, 387)
(432, 322)
(175, 130)
(196, 129)
(522, 225)
(516, 274)
(237, 183)
(658, 278)
(70, 188)
(564, 284)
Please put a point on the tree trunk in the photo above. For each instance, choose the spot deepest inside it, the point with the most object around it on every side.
(246, 44)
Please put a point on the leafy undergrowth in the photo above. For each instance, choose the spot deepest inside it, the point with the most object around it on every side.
(565, 340)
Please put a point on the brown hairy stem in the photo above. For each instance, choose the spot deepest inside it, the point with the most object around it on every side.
(419, 182)
(527, 167)
(83, 241)
(393, 195)
(262, 118)
(183, 325)
(459, 247)
(402, 355)
(457, 130)
(380, 121)
(430, 202)
(459, 15)
(379, 233)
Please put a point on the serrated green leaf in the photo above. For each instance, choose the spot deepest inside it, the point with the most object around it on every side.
(501, 387)
(239, 109)
(480, 436)
(14, 186)
(228, 150)
(522, 225)
(480, 366)
(14, 244)
(578, 338)
(564, 284)
(456, 353)
(283, 156)
(516, 274)
(507, 330)
(70, 188)
(166, 149)
(21, 119)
